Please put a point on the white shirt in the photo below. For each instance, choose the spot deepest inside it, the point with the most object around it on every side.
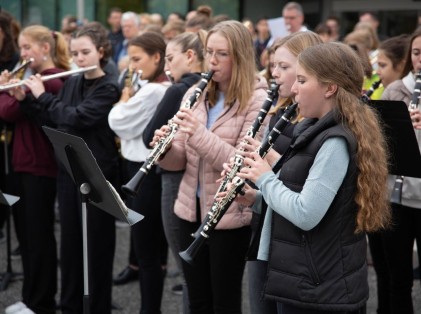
(129, 119)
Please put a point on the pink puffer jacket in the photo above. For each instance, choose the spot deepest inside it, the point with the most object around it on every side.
(203, 154)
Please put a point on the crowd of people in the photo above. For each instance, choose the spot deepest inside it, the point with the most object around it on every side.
(310, 209)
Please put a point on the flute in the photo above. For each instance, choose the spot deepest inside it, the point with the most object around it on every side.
(219, 208)
(49, 77)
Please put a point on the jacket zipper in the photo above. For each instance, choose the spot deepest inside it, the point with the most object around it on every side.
(312, 267)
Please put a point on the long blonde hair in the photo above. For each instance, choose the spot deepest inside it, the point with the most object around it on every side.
(295, 43)
(58, 46)
(244, 69)
(337, 63)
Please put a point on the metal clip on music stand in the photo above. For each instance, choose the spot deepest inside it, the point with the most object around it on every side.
(81, 165)
(8, 200)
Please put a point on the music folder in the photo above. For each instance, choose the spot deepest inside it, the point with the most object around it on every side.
(83, 164)
(403, 149)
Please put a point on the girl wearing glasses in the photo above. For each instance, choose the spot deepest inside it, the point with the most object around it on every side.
(208, 137)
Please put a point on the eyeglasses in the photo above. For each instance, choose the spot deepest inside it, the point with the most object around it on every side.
(290, 17)
(218, 54)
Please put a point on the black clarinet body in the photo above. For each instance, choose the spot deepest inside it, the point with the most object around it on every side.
(219, 208)
(366, 97)
(133, 186)
(272, 94)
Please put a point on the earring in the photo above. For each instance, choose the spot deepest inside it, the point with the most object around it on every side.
(44, 58)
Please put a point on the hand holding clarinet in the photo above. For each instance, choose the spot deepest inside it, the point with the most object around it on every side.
(221, 205)
(163, 137)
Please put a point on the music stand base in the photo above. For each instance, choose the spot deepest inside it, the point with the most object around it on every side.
(8, 277)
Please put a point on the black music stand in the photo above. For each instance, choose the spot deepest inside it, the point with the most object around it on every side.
(8, 201)
(81, 165)
(404, 153)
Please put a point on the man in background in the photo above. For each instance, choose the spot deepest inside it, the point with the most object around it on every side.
(116, 34)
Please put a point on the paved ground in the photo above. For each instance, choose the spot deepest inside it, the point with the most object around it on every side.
(127, 296)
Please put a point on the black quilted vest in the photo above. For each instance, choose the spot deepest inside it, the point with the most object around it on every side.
(324, 268)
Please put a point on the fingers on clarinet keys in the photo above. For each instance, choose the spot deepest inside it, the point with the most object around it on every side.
(242, 191)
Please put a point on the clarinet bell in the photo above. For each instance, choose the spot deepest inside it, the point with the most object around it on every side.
(191, 252)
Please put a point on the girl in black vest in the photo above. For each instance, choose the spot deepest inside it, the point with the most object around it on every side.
(323, 200)
(286, 51)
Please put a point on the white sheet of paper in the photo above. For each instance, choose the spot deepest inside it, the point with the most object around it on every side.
(277, 28)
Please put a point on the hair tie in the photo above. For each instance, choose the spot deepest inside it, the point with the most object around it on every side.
(53, 33)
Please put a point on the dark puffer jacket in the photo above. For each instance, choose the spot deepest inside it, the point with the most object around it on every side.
(324, 268)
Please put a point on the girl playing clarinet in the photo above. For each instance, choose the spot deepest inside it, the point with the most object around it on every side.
(323, 200)
(207, 138)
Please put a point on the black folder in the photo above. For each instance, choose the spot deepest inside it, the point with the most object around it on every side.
(404, 152)
(82, 167)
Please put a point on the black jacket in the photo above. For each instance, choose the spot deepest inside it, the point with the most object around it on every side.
(84, 113)
(169, 105)
(324, 268)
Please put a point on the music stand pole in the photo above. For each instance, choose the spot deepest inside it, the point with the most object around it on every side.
(77, 158)
(8, 276)
(85, 189)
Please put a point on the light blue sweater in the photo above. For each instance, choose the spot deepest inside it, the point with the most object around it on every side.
(307, 208)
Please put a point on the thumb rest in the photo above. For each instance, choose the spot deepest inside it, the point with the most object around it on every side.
(396, 196)
(219, 208)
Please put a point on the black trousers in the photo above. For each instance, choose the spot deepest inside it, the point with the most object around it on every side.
(101, 246)
(148, 240)
(398, 246)
(288, 309)
(378, 255)
(35, 212)
(214, 281)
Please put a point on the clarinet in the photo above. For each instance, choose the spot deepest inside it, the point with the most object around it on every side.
(219, 208)
(132, 187)
(252, 131)
(367, 95)
(396, 196)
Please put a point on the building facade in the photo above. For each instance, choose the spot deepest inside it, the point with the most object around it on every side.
(396, 17)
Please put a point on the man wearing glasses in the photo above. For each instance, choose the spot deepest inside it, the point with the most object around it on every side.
(294, 17)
